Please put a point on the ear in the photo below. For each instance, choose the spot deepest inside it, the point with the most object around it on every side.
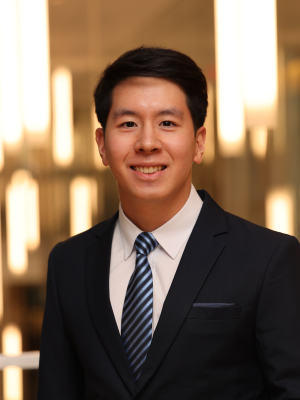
(99, 136)
(200, 144)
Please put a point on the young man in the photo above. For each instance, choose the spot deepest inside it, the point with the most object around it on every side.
(171, 298)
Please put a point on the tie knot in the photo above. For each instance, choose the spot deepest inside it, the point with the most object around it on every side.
(145, 243)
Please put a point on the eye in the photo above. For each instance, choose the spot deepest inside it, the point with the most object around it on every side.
(129, 124)
(167, 123)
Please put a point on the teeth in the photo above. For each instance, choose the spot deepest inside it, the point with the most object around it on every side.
(150, 170)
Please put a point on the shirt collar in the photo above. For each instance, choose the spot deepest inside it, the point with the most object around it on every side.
(172, 235)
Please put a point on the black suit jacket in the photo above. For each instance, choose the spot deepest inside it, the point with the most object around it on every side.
(229, 327)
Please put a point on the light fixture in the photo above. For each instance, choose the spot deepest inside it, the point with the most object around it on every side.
(95, 124)
(1, 276)
(259, 59)
(34, 47)
(22, 220)
(83, 203)
(209, 154)
(247, 78)
(259, 141)
(230, 106)
(10, 85)
(12, 376)
(280, 210)
(33, 215)
(63, 141)
(1, 153)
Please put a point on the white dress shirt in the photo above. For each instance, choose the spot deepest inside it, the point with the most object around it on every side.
(164, 259)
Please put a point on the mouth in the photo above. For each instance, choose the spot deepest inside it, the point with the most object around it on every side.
(149, 170)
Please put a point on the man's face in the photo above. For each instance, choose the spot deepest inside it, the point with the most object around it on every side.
(150, 143)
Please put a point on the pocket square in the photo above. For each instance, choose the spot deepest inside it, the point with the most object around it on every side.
(213, 305)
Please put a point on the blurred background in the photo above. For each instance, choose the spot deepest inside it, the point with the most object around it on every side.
(52, 183)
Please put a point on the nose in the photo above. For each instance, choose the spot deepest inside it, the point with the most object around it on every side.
(148, 140)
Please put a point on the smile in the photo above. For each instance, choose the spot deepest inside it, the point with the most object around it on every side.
(149, 170)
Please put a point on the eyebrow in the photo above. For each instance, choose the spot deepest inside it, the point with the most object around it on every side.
(123, 111)
(170, 111)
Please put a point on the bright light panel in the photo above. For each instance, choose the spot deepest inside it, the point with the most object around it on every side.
(230, 106)
(34, 46)
(16, 225)
(95, 124)
(209, 154)
(83, 198)
(63, 146)
(259, 53)
(10, 104)
(1, 277)
(259, 141)
(12, 376)
(1, 152)
(280, 210)
(22, 216)
(33, 215)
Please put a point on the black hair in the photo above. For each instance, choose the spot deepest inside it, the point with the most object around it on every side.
(154, 62)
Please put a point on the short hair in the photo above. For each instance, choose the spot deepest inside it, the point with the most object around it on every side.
(154, 62)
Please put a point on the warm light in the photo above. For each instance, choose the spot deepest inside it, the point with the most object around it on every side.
(230, 107)
(83, 200)
(293, 75)
(12, 376)
(10, 104)
(11, 341)
(22, 220)
(33, 215)
(34, 46)
(259, 141)
(209, 154)
(97, 159)
(1, 153)
(62, 116)
(16, 224)
(279, 210)
(259, 55)
(1, 277)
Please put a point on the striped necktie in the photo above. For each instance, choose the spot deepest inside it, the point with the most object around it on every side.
(136, 327)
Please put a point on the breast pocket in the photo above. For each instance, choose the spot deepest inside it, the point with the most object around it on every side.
(214, 311)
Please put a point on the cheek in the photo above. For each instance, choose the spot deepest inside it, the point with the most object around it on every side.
(116, 150)
(183, 151)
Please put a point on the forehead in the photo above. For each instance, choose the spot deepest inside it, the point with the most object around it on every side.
(148, 92)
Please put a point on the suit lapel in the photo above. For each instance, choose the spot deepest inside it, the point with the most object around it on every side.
(201, 253)
(97, 288)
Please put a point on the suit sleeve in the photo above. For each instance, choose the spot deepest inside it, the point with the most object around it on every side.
(278, 322)
(61, 376)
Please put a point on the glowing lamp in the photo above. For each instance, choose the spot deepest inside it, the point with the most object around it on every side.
(12, 376)
(280, 210)
(83, 203)
(230, 106)
(63, 146)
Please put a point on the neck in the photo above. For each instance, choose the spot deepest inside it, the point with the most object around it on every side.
(150, 215)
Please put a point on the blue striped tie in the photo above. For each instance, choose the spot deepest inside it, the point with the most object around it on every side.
(136, 329)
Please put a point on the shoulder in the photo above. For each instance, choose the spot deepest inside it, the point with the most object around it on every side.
(262, 240)
(75, 247)
(240, 234)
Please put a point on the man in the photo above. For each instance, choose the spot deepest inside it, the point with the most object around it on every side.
(171, 298)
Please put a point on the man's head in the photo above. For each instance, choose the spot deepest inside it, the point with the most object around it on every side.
(155, 62)
(151, 103)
